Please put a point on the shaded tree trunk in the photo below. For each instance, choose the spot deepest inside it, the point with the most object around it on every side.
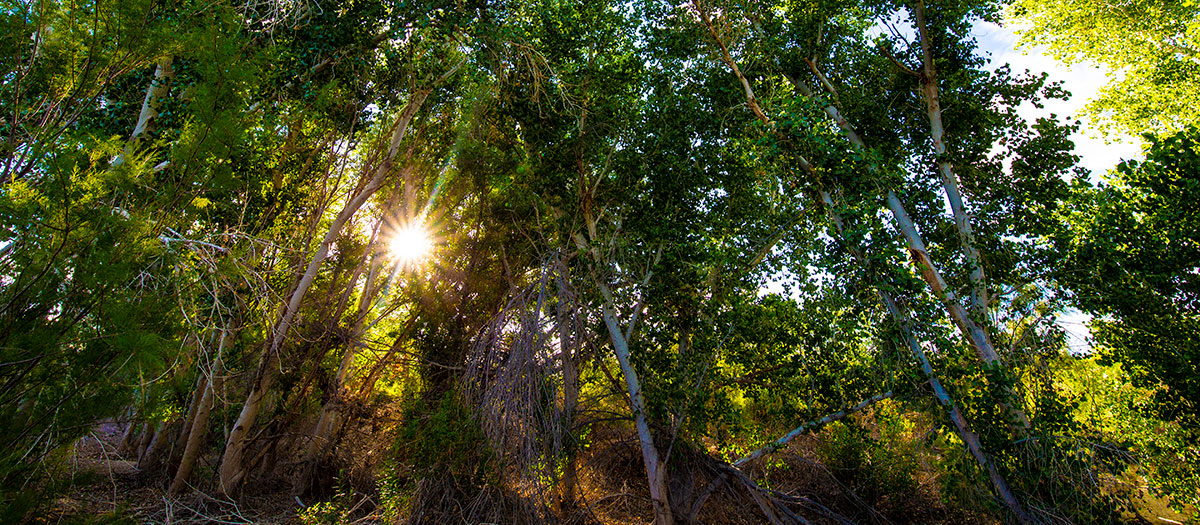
(180, 439)
(199, 427)
(231, 470)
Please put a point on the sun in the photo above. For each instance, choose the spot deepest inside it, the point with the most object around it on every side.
(410, 243)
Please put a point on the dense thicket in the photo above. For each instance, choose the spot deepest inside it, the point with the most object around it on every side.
(706, 228)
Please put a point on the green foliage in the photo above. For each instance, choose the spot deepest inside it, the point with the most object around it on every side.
(1131, 249)
(612, 137)
(441, 440)
(323, 513)
(396, 493)
(1153, 45)
(1112, 413)
(86, 311)
(95, 273)
(880, 464)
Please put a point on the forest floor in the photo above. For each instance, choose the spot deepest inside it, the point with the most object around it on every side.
(108, 488)
(105, 487)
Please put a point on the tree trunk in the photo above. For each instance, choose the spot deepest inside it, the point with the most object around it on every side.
(230, 470)
(974, 333)
(962, 221)
(368, 384)
(1019, 421)
(148, 430)
(655, 468)
(329, 419)
(180, 440)
(961, 426)
(231, 462)
(126, 445)
(152, 459)
(570, 371)
(155, 94)
(806, 427)
(199, 427)
(978, 338)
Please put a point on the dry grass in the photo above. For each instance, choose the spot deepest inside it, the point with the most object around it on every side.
(611, 487)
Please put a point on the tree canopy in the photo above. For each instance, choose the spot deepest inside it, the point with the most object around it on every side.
(469, 258)
(1153, 47)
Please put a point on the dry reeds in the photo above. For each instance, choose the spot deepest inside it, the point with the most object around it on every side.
(521, 377)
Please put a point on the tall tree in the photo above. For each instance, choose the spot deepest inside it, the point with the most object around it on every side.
(1131, 251)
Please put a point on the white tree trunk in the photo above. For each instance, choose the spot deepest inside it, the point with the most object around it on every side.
(329, 421)
(655, 469)
(155, 94)
(967, 324)
(962, 221)
(961, 426)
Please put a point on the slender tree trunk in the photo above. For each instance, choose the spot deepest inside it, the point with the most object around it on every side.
(570, 371)
(148, 430)
(809, 426)
(231, 462)
(155, 93)
(330, 418)
(152, 459)
(974, 333)
(655, 468)
(368, 384)
(126, 445)
(962, 221)
(966, 234)
(199, 427)
(970, 329)
(570, 405)
(961, 426)
(230, 470)
(193, 407)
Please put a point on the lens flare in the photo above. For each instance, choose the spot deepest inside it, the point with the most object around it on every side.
(410, 244)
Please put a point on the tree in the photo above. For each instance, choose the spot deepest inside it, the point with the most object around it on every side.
(91, 260)
(609, 187)
(1154, 45)
(1132, 246)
